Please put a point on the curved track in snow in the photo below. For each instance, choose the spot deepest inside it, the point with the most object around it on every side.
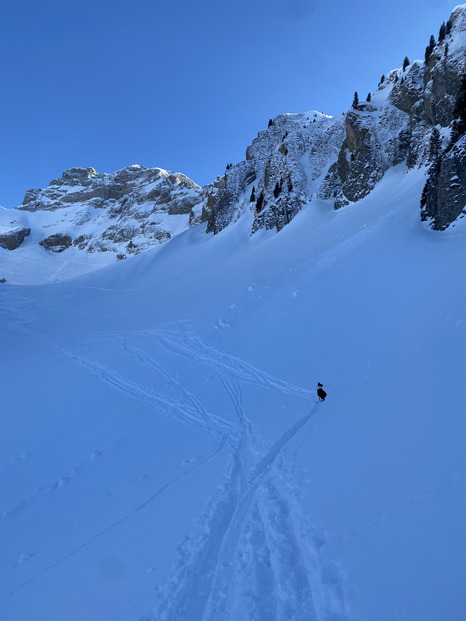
(255, 555)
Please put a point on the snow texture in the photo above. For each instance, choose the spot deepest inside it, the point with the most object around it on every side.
(163, 455)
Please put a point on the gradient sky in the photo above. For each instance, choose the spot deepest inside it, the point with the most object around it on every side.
(182, 85)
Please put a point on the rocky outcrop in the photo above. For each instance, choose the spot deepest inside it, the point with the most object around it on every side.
(444, 197)
(12, 238)
(58, 242)
(172, 193)
(283, 169)
(123, 212)
(408, 105)
(375, 140)
(342, 159)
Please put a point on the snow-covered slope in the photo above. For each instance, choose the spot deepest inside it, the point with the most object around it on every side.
(162, 453)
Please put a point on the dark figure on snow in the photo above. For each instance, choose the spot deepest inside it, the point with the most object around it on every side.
(321, 392)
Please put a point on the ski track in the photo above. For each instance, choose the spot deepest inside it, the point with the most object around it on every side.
(254, 556)
(193, 348)
(210, 423)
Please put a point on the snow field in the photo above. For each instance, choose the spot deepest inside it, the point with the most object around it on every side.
(163, 455)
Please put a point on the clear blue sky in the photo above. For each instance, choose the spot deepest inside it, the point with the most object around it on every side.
(182, 85)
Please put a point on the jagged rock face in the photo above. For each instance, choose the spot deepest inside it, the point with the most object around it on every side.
(283, 169)
(409, 88)
(123, 212)
(444, 71)
(12, 238)
(228, 197)
(419, 97)
(342, 159)
(376, 139)
(173, 193)
(444, 197)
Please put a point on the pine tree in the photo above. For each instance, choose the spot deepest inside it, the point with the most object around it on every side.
(442, 32)
(459, 124)
(448, 27)
(382, 80)
(276, 190)
(270, 123)
(430, 48)
(253, 195)
(435, 147)
(356, 100)
(260, 202)
(406, 63)
(369, 97)
(446, 49)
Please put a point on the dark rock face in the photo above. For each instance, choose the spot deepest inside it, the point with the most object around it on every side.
(57, 242)
(375, 140)
(444, 196)
(13, 238)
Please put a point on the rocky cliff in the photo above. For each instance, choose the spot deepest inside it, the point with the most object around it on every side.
(417, 115)
(124, 212)
(304, 156)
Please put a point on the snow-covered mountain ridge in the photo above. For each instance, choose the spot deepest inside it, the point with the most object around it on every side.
(163, 455)
(342, 158)
(85, 220)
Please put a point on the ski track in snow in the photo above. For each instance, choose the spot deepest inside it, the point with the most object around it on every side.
(210, 423)
(255, 556)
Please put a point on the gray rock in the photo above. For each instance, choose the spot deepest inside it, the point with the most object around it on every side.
(444, 196)
(284, 165)
(58, 242)
(375, 141)
(13, 238)
(133, 198)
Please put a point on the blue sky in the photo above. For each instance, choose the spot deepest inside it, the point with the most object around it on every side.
(182, 85)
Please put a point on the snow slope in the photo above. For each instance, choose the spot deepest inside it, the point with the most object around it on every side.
(162, 452)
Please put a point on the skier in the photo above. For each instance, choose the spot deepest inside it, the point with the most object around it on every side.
(321, 392)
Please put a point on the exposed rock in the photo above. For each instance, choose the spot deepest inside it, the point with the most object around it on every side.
(444, 196)
(58, 242)
(284, 165)
(14, 237)
(228, 197)
(375, 140)
(408, 89)
(145, 204)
